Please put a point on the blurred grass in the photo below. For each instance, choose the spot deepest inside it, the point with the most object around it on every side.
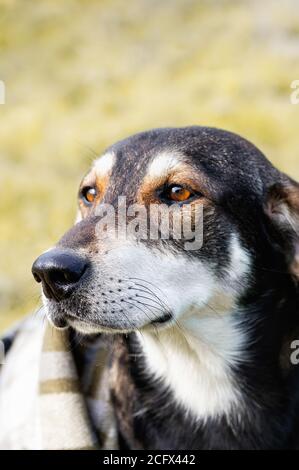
(81, 74)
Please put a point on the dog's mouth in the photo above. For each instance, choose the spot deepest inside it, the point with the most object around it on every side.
(163, 320)
(62, 319)
(78, 324)
(86, 327)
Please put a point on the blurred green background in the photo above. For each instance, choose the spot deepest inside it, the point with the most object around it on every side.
(81, 74)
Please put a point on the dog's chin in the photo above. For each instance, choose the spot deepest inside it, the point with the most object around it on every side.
(60, 319)
(86, 327)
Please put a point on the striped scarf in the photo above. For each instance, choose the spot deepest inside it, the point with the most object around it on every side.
(54, 394)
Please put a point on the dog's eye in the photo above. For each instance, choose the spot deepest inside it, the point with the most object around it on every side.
(89, 195)
(177, 193)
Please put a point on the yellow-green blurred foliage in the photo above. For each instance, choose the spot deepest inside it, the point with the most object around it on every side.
(81, 74)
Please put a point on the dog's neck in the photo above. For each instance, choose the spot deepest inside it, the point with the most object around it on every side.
(194, 360)
(199, 385)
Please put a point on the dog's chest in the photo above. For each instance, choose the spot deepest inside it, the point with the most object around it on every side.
(150, 416)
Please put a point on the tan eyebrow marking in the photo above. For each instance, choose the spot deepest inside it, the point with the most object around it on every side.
(103, 165)
(163, 164)
(172, 168)
(102, 170)
(98, 176)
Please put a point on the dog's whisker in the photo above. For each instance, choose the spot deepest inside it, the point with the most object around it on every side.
(150, 292)
(153, 293)
(147, 282)
(139, 308)
(149, 298)
(124, 313)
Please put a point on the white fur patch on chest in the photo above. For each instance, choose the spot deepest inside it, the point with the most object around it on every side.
(194, 362)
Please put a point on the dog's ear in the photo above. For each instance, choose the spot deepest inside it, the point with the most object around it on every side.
(282, 207)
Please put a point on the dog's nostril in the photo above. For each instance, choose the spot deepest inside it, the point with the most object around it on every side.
(58, 278)
(63, 276)
(59, 271)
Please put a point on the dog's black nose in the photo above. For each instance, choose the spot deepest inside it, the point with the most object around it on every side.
(59, 271)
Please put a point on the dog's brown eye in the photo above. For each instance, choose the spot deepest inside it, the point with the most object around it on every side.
(89, 195)
(177, 193)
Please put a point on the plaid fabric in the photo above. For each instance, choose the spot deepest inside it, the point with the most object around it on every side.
(55, 394)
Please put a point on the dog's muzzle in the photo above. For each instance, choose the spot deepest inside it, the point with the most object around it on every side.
(60, 272)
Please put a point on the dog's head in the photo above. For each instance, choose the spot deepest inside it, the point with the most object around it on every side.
(171, 222)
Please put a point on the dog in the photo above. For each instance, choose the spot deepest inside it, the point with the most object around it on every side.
(201, 338)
